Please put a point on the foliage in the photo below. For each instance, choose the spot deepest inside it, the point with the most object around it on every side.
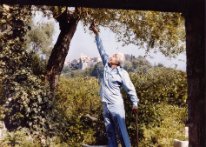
(25, 96)
(171, 127)
(19, 138)
(137, 64)
(157, 87)
(38, 65)
(77, 106)
(140, 28)
(88, 90)
(78, 72)
(39, 38)
(143, 27)
(97, 70)
(23, 138)
(162, 85)
(162, 94)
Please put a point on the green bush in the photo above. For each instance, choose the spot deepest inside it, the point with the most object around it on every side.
(161, 85)
(160, 90)
(25, 95)
(156, 87)
(19, 138)
(77, 98)
(77, 113)
(171, 127)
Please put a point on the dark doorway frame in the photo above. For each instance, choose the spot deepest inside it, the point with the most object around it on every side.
(194, 12)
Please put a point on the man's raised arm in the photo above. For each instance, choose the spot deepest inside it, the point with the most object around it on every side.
(99, 44)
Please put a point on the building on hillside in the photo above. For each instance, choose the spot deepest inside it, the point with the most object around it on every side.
(83, 62)
(87, 62)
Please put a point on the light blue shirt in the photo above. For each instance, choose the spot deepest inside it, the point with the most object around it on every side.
(113, 79)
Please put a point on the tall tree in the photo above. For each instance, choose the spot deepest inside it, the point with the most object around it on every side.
(68, 23)
(195, 30)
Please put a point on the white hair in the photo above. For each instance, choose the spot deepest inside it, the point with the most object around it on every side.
(120, 58)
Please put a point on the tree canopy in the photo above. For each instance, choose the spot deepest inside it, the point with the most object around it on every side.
(149, 29)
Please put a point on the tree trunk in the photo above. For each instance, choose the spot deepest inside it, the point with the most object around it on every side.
(68, 24)
(195, 37)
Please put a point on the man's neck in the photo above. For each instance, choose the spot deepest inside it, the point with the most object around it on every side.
(113, 66)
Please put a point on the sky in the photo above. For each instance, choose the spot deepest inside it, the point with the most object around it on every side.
(83, 43)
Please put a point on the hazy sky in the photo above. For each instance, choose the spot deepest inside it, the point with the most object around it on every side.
(83, 43)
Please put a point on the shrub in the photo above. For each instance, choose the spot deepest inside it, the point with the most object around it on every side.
(77, 113)
(160, 90)
(78, 99)
(170, 127)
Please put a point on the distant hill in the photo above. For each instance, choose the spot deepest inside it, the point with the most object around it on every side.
(92, 66)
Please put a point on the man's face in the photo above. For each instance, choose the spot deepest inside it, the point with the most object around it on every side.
(113, 60)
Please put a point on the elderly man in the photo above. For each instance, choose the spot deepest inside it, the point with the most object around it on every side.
(114, 77)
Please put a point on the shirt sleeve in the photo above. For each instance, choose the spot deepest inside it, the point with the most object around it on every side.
(130, 89)
(101, 50)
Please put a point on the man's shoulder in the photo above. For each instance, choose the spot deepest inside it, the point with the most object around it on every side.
(122, 71)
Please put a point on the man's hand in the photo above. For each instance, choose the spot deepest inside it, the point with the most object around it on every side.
(93, 27)
(134, 109)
